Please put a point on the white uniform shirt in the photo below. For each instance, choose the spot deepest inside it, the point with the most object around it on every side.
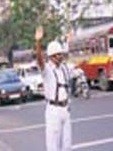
(50, 81)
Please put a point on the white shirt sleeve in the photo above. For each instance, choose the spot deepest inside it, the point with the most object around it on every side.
(71, 69)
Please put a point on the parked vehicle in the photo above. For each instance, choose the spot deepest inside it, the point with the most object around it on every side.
(81, 86)
(11, 87)
(95, 44)
(99, 71)
(31, 77)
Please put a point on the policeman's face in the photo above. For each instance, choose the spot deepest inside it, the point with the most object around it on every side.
(57, 58)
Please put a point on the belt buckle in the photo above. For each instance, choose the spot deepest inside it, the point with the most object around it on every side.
(63, 103)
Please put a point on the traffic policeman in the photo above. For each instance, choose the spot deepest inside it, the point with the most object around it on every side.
(56, 86)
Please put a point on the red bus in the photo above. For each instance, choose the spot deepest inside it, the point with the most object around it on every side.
(97, 45)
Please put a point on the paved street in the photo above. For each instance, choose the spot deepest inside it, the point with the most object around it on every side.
(22, 128)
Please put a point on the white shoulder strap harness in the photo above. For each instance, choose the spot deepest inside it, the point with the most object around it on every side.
(58, 85)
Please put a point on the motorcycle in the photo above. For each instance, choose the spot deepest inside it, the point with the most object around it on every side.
(81, 85)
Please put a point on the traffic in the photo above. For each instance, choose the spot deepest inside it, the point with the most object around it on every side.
(94, 45)
(95, 62)
(56, 75)
(20, 83)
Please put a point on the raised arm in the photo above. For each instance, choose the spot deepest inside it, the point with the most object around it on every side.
(38, 47)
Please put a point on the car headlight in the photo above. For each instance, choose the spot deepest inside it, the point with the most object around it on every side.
(3, 91)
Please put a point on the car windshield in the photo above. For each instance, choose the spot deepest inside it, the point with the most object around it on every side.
(32, 70)
(8, 76)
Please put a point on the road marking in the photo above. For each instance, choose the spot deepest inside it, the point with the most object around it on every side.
(21, 129)
(92, 143)
(101, 94)
(18, 107)
(38, 126)
(91, 118)
(78, 120)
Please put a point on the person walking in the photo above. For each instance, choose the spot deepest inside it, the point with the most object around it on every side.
(56, 85)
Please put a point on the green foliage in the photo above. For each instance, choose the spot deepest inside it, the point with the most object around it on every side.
(52, 29)
(25, 17)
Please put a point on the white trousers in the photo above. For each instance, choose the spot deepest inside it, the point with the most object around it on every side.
(58, 128)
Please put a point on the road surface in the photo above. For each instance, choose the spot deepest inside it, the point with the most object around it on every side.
(22, 127)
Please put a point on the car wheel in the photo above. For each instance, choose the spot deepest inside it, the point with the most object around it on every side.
(29, 95)
(0, 101)
(18, 101)
(24, 99)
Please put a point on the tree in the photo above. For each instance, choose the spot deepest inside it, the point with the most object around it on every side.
(25, 16)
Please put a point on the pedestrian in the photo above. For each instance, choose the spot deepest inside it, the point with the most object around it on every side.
(56, 86)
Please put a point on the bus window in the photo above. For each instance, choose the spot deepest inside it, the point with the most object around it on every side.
(111, 42)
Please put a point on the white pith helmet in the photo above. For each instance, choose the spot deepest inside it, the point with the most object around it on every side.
(54, 47)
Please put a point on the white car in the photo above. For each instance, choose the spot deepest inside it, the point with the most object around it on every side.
(31, 77)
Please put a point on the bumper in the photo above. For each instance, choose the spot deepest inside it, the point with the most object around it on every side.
(12, 96)
(38, 91)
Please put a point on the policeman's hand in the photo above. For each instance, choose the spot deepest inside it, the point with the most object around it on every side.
(39, 33)
(70, 36)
